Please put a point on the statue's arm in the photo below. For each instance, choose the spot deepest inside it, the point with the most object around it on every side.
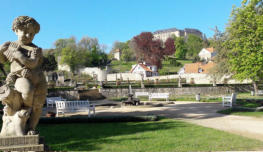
(30, 62)
(3, 48)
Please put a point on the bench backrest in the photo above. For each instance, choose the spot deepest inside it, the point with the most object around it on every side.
(71, 104)
(141, 94)
(159, 95)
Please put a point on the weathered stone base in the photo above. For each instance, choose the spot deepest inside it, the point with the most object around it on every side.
(21, 143)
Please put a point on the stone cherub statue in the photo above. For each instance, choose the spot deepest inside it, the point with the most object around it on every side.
(25, 88)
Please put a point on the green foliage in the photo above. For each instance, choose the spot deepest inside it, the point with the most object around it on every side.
(181, 47)
(245, 41)
(194, 46)
(49, 63)
(127, 53)
(86, 53)
(71, 57)
(222, 66)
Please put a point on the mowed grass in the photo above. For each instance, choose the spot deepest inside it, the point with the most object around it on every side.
(155, 136)
(119, 66)
(242, 112)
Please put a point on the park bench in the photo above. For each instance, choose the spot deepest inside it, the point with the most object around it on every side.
(141, 94)
(260, 92)
(228, 101)
(159, 96)
(63, 107)
(50, 101)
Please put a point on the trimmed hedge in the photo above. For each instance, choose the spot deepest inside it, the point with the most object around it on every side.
(97, 119)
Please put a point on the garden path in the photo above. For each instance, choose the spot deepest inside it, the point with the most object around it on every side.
(203, 114)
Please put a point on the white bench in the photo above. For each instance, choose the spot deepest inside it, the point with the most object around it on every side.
(63, 107)
(228, 101)
(260, 92)
(141, 94)
(159, 96)
(50, 101)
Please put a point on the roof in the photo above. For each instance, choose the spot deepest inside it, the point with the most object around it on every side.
(143, 66)
(211, 50)
(117, 50)
(194, 67)
(166, 30)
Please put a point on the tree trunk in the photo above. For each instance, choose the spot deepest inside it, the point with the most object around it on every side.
(255, 85)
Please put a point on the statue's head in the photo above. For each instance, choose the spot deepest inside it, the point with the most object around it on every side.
(25, 28)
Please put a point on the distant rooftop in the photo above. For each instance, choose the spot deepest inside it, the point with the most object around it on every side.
(189, 30)
(166, 30)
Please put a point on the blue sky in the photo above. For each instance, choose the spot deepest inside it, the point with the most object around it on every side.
(112, 20)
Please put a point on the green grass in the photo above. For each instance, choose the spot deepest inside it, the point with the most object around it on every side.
(164, 135)
(171, 69)
(242, 112)
(119, 66)
(248, 104)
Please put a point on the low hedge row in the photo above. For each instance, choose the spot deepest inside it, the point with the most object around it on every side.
(97, 119)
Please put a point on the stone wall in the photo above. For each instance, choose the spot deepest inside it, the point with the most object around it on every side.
(219, 90)
(190, 78)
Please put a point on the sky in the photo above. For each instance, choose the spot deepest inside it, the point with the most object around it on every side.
(112, 20)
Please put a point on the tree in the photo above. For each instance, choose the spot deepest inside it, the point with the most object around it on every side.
(181, 48)
(49, 63)
(245, 41)
(87, 43)
(150, 50)
(194, 45)
(71, 57)
(222, 67)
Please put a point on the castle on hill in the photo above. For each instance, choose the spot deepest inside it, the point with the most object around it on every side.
(167, 33)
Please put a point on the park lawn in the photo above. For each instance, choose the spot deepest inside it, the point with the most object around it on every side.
(120, 66)
(164, 135)
(242, 112)
(251, 114)
(168, 68)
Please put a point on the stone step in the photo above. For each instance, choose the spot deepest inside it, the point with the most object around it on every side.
(19, 140)
(39, 147)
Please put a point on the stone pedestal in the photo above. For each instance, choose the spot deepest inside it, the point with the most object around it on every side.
(21, 143)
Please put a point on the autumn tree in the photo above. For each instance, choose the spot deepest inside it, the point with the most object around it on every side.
(150, 50)
(245, 41)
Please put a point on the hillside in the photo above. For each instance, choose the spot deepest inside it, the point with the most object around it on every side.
(168, 68)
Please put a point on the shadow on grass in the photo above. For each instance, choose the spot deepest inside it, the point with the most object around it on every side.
(89, 136)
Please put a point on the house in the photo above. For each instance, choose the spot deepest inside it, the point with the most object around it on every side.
(198, 67)
(144, 69)
(207, 54)
(117, 54)
(169, 33)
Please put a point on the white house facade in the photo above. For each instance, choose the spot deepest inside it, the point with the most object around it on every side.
(207, 54)
(144, 70)
(117, 54)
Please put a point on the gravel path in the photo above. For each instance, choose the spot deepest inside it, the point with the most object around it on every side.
(203, 114)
